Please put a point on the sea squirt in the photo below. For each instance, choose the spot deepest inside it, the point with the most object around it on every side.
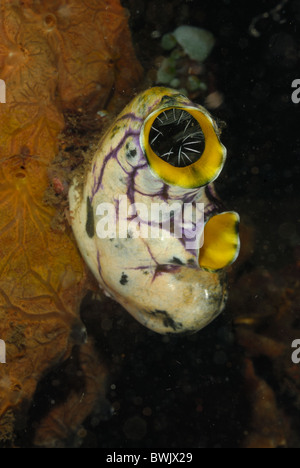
(146, 217)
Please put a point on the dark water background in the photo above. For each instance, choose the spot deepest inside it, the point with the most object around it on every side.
(190, 392)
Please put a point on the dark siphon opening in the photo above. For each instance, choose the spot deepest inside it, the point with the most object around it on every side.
(177, 137)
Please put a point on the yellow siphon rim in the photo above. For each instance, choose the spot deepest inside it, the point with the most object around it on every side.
(221, 241)
(201, 172)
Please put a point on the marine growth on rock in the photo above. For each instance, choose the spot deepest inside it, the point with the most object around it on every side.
(55, 57)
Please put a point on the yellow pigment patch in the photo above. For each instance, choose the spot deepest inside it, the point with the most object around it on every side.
(221, 241)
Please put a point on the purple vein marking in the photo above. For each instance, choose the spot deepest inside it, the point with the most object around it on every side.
(130, 116)
(131, 182)
(215, 205)
(159, 269)
(111, 155)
